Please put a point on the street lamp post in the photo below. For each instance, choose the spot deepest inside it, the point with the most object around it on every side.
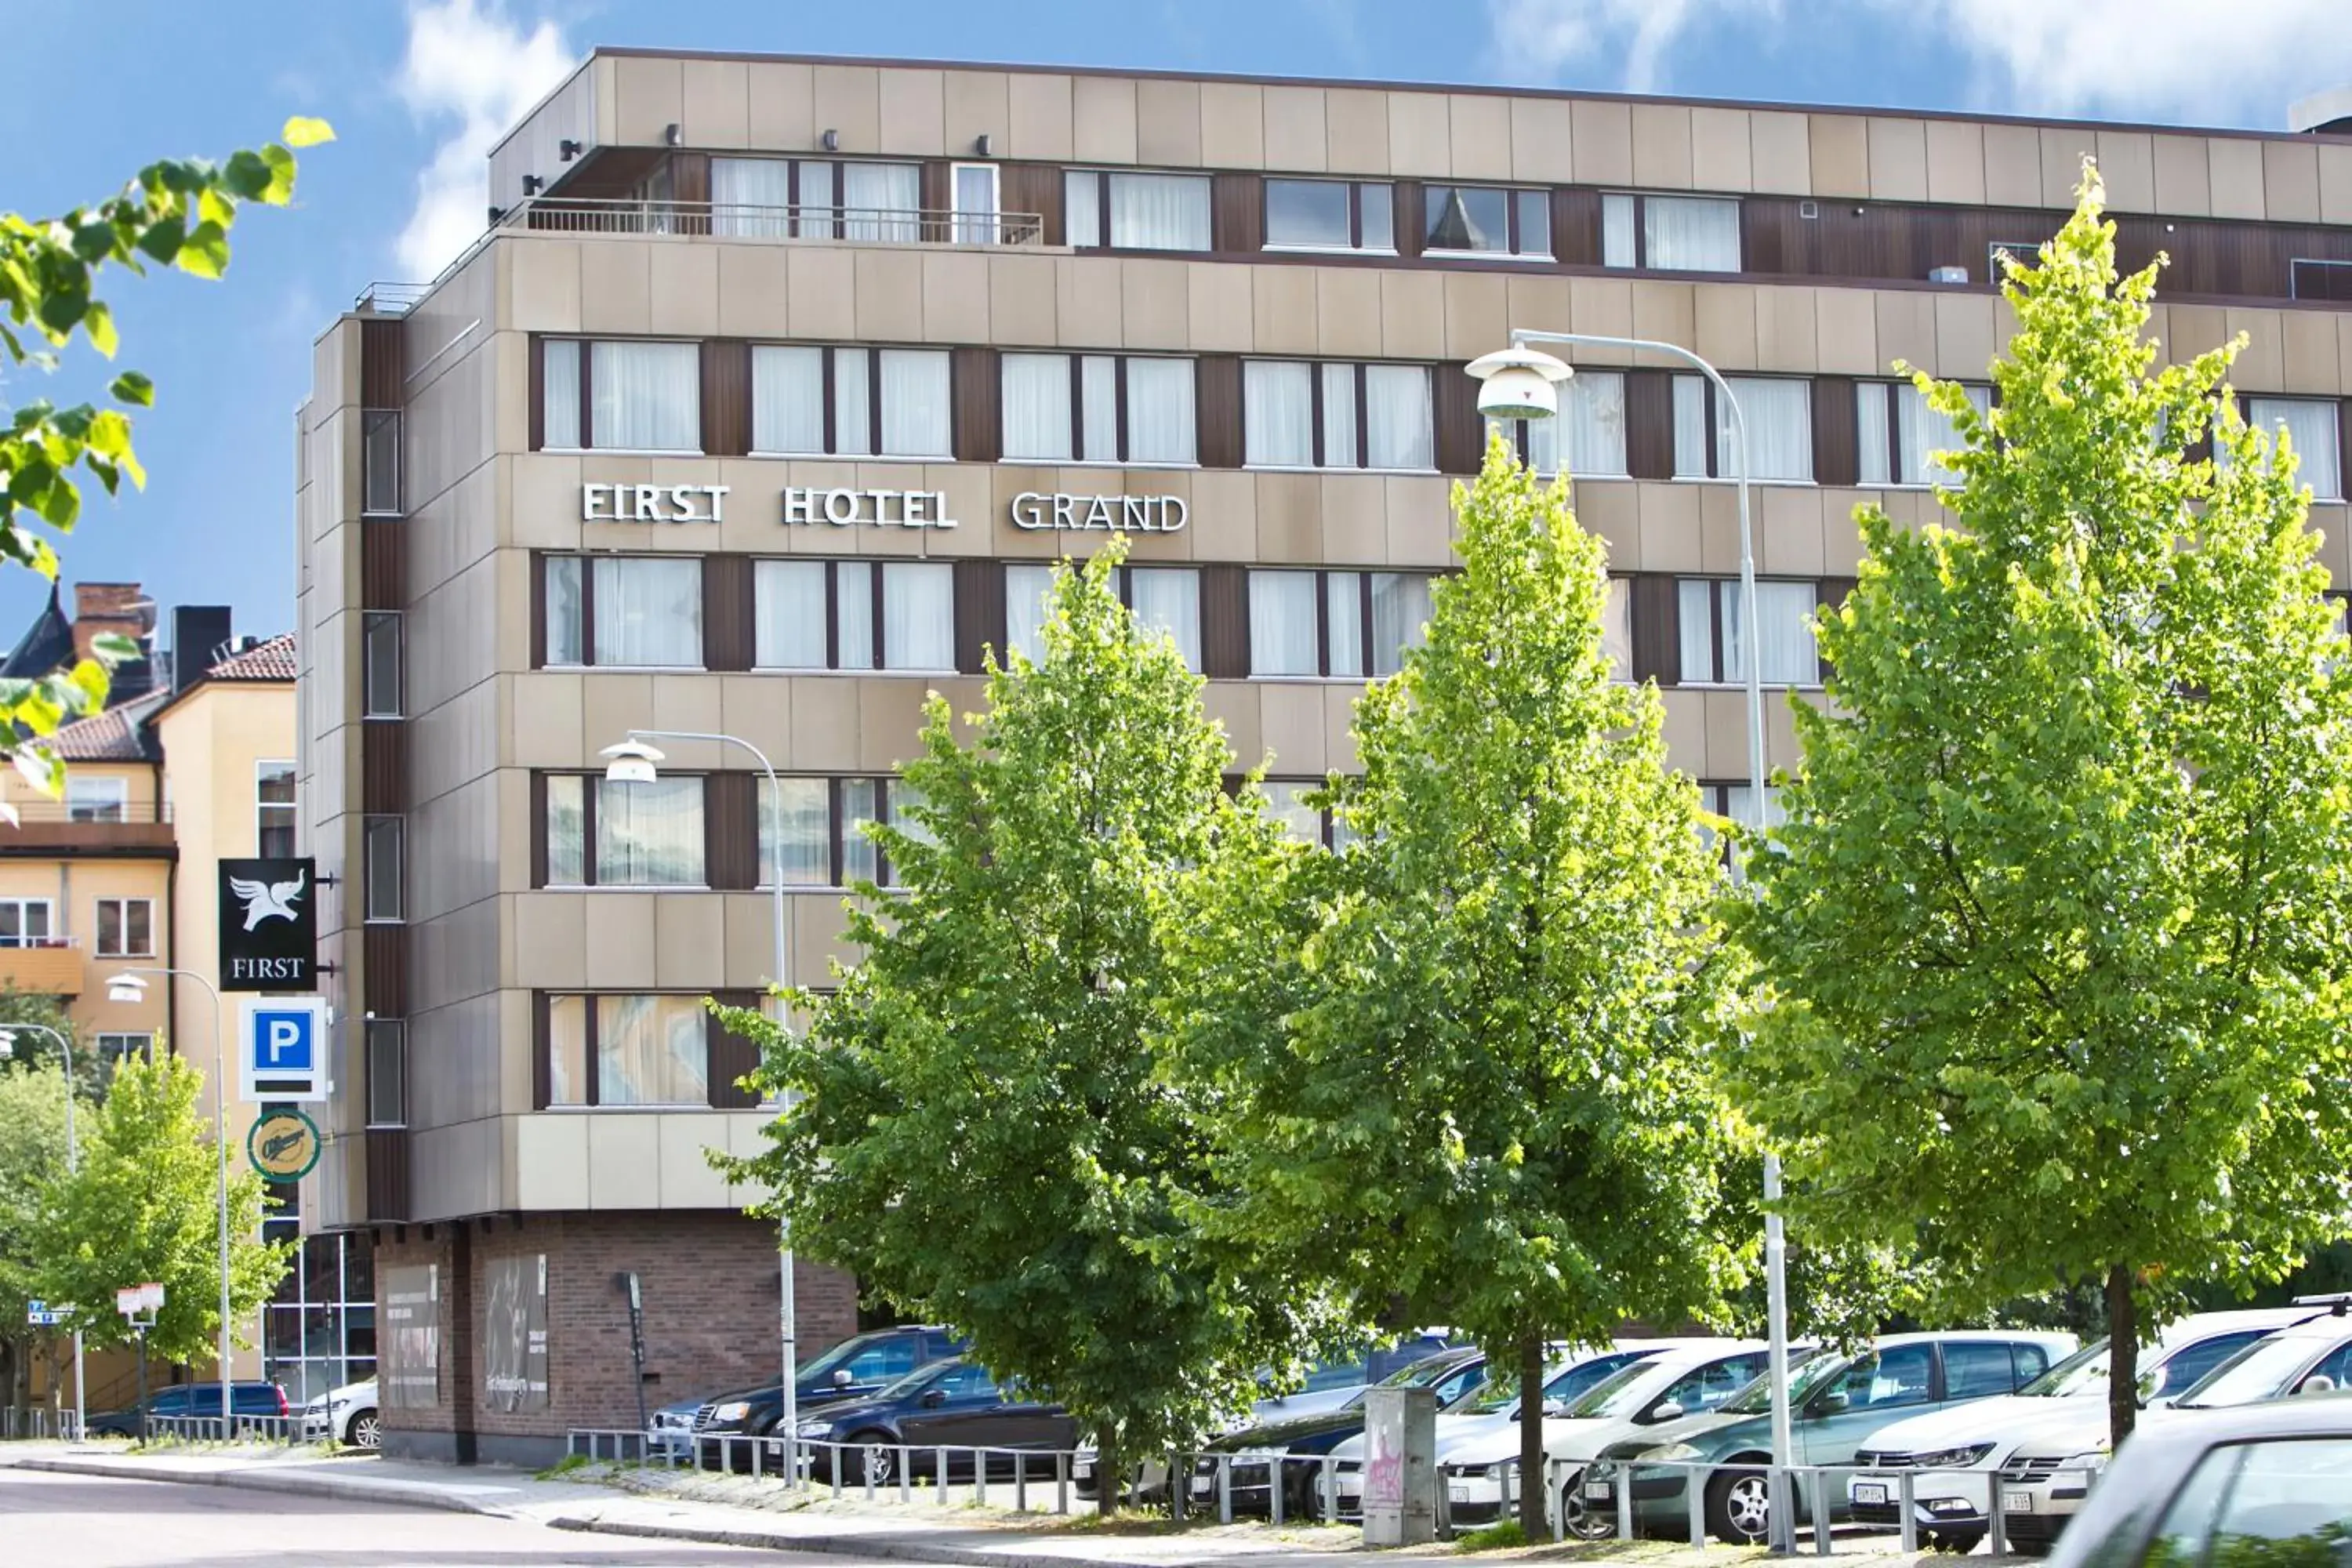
(128, 986)
(1521, 383)
(631, 760)
(73, 1162)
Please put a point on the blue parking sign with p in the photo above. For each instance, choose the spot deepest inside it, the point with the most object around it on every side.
(282, 1049)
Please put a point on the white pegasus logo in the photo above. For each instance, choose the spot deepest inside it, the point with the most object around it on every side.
(267, 901)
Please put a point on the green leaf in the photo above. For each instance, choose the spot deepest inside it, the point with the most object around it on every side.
(305, 131)
(205, 252)
(98, 323)
(114, 647)
(132, 388)
(162, 238)
(247, 175)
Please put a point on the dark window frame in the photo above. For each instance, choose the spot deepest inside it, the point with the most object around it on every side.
(827, 378)
(878, 577)
(1076, 363)
(386, 1037)
(590, 871)
(370, 824)
(371, 705)
(1102, 240)
(1359, 242)
(588, 392)
(590, 1081)
(1642, 262)
(1514, 222)
(587, 659)
(1319, 398)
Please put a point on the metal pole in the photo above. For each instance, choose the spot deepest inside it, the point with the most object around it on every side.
(788, 1311)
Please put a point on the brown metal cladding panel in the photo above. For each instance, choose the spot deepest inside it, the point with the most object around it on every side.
(1461, 433)
(689, 176)
(935, 190)
(731, 830)
(732, 1055)
(1033, 188)
(1237, 213)
(543, 1085)
(729, 636)
(384, 563)
(1657, 631)
(385, 951)
(382, 383)
(1217, 410)
(537, 610)
(1224, 623)
(1405, 205)
(1836, 432)
(1576, 226)
(979, 613)
(726, 397)
(1649, 424)
(2343, 442)
(384, 765)
(539, 830)
(538, 392)
(1830, 591)
(387, 1174)
(975, 405)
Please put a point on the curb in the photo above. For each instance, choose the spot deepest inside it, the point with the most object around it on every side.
(895, 1548)
(399, 1492)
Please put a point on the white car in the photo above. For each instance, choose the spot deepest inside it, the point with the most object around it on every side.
(347, 1415)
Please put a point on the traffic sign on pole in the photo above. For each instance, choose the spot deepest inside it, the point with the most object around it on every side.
(281, 1048)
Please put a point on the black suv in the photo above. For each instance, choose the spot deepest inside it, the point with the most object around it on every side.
(856, 1368)
(939, 1411)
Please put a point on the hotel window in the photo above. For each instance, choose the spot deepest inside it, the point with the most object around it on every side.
(849, 402)
(1896, 431)
(1779, 414)
(603, 834)
(1737, 802)
(126, 927)
(274, 809)
(1298, 414)
(1486, 220)
(1097, 408)
(383, 855)
(610, 1049)
(90, 798)
(1670, 234)
(2312, 425)
(639, 397)
(1330, 214)
(1588, 430)
(380, 696)
(635, 611)
(1713, 651)
(115, 1049)
(825, 843)
(1136, 212)
(387, 1072)
(854, 614)
(1165, 599)
(25, 922)
(380, 462)
(1286, 801)
(816, 198)
(1348, 624)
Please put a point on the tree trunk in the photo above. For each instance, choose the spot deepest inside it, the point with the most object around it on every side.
(2123, 1354)
(1531, 1444)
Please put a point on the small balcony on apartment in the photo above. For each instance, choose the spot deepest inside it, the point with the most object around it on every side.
(42, 965)
(126, 829)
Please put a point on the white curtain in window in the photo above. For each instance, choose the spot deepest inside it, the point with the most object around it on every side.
(1690, 234)
(918, 614)
(648, 396)
(1695, 621)
(1338, 415)
(853, 405)
(788, 615)
(1036, 396)
(1592, 421)
(1026, 592)
(563, 611)
(1285, 802)
(1690, 427)
(1398, 424)
(787, 400)
(649, 834)
(750, 198)
(1780, 413)
(880, 201)
(1278, 414)
(567, 1051)
(559, 394)
(1870, 400)
(1343, 613)
(648, 610)
(859, 861)
(1617, 629)
(976, 203)
(1099, 390)
(1082, 207)
(853, 610)
(1541, 437)
(1785, 611)
(651, 1050)
(567, 845)
(1617, 230)
(1923, 431)
(1740, 804)
(1159, 411)
(807, 843)
(915, 403)
(2312, 426)
(1282, 624)
(1159, 212)
(1400, 611)
(1167, 599)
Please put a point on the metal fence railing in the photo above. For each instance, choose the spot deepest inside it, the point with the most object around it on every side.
(38, 1422)
(291, 1428)
(743, 220)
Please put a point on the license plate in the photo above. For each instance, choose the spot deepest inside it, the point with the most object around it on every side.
(1869, 1491)
(2016, 1502)
(1599, 1491)
(1457, 1492)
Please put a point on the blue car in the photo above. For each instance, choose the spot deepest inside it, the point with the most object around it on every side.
(197, 1399)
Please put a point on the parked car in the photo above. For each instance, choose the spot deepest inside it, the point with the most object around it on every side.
(2046, 1476)
(1835, 1402)
(1960, 1453)
(949, 1406)
(197, 1399)
(1336, 1380)
(2266, 1484)
(856, 1368)
(671, 1435)
(346, 1416)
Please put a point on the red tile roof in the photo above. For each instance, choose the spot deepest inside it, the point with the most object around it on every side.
(271, 659)
(118, 735)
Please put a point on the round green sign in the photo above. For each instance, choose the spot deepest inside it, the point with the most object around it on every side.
(283, 1145)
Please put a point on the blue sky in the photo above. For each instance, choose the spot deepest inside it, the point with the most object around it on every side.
(415, 90)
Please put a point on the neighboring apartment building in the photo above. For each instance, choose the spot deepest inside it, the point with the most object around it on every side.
(776, 383)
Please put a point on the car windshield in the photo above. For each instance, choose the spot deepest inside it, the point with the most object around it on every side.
(1756, 1399)
(1621, 1393)
(2260, 1371)
(921, 1377)
(2084, 1373)
(841, 1355)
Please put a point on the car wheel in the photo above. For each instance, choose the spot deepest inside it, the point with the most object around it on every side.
(880, 1456)
(1584, 1520)
(1959, 1542)
(1739, 1508)
(365, 1431)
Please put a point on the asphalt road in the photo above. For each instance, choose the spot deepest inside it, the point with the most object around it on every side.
(93, 1522)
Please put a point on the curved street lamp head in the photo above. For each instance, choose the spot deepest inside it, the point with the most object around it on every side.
(631, 761)
(126, 988)
(1518, 383)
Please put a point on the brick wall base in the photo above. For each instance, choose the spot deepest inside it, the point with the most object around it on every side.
(708, 1282)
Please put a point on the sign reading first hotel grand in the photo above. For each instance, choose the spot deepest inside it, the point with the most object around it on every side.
(1031, 510)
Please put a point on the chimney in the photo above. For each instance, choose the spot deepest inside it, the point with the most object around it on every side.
(199, 633)
(102, 607)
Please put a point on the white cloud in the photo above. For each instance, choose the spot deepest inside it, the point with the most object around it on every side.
(473, 66)
(2163, 59)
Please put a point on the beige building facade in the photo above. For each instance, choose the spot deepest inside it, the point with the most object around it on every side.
(773, 384)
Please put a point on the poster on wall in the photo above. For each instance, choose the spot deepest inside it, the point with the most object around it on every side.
(514, 1333)
(409, 1347)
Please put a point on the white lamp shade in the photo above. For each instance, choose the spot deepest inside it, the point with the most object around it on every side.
(126, 988)
(631, 761)
(1518, 383)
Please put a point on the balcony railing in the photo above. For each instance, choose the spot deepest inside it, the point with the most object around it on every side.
(42, 966)
(730, 220)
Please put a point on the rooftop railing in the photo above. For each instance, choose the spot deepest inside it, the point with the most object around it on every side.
(736, 220)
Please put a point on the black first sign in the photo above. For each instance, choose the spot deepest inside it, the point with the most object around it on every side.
(268, 925)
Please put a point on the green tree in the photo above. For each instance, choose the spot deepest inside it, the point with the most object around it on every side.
(32, 1152)
(1487, 1099)
(145, 1205)
(982, 1135)
(2056, 930)
(177, 213)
